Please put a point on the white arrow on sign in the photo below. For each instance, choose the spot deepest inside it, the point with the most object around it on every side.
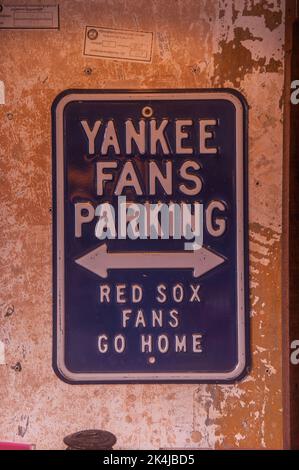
(99, 260)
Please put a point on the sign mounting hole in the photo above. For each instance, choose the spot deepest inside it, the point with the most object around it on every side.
(147, 112)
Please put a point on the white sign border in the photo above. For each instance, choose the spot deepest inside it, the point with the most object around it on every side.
(75, 377)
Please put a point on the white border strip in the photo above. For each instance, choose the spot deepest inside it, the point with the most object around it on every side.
(147, 376)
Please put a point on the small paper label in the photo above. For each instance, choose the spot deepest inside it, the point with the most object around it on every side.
(29, 17)
(118, 44)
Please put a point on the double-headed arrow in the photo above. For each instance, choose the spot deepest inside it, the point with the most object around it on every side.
(99, 260)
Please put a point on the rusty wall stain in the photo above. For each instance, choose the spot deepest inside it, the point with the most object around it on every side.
(225, 43)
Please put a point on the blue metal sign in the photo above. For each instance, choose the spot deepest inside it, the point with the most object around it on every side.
(150, 236)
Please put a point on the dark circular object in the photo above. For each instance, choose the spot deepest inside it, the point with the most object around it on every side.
(92, 34)
(90, 439)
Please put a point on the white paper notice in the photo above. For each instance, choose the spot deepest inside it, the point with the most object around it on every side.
(29, 17)
(118, 44)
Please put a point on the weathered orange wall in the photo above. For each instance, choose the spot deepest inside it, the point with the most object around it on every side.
(212, 43)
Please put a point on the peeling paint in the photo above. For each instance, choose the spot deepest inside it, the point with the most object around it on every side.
(23, 427)
(270, 11)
